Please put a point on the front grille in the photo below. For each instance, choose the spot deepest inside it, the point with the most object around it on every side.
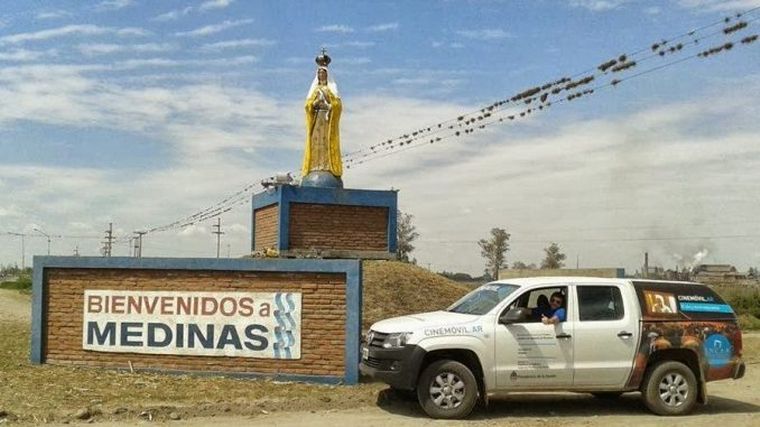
(377, 339)
(373, 362)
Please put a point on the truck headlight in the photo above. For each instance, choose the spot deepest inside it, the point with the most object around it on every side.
(396, 340)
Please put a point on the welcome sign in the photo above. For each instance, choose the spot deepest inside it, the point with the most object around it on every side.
(235, 324)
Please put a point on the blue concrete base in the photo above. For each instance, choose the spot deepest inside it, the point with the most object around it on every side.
(284, 196)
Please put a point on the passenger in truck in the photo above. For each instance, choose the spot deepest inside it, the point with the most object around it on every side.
(542, 309)
(558, 313)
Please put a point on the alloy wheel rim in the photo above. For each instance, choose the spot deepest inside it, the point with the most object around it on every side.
(447, 390)
(673, 390)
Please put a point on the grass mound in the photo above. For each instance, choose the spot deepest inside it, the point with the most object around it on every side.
(393, 288)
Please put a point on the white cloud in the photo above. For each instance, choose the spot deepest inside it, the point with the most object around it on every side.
(214, 4)
(485, 34)
(109, 5)
(214, 28)
(71, 30)
(193, 230)
(598, 5)
(25, 55)
(91, 49)
(53, 14)
(234, 44)
(172, 14)
(719, 5)
(335, 28)
(167, 62)
(390, 26)
(652, 10)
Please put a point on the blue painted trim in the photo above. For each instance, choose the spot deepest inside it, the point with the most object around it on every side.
(392, 221)
(213, 264)
(283, 236)
(351, 268)
(38, 298)
(353, 322)
(266, 198)
(253, 224)
(338, 196)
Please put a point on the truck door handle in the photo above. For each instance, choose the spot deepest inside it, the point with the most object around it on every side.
(624, 334)
(563, 336)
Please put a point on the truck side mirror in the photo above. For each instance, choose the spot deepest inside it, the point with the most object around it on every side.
(515, 315)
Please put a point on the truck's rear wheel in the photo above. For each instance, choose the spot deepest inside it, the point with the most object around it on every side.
(670, 389)
(447, 389)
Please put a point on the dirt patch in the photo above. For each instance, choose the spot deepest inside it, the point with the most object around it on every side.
(14, 306)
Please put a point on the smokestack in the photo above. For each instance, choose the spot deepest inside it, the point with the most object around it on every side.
(646, 265)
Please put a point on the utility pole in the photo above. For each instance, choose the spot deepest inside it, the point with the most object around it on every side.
(108, 243)
(37, 229)
(218, 232)
(76, 251)
(228, 250)
(138, 243)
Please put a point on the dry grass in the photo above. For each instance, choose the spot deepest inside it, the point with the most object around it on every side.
(48, 393)
(394, 288)
(55, 393)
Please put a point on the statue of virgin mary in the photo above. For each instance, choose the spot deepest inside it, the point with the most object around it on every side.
(322, 165)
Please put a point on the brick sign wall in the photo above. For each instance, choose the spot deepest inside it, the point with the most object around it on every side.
(338, 227)
(267, 223)
(236, 297)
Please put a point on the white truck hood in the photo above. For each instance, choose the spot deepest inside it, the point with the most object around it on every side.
(420, 321)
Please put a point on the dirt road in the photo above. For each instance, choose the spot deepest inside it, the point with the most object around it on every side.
(732, 403)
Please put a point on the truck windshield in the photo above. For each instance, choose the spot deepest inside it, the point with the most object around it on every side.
(483, 299)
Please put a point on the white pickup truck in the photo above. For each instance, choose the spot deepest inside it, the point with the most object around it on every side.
(602, 336)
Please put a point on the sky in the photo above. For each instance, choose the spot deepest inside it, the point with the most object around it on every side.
(140, 112)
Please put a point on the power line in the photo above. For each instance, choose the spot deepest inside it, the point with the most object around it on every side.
(486, 116)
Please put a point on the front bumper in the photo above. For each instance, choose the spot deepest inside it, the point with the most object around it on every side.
(397, 367)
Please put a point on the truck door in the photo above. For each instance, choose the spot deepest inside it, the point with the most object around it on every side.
(531, 355)
(605, 334)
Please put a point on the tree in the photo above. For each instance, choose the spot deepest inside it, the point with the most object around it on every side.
(494, 250)
(752, 273)
(406, 232)
(554, 258)
(519, 265)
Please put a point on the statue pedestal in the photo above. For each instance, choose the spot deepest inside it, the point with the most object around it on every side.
(325, 222)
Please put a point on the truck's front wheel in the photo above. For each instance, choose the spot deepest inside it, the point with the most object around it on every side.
(447, 389)
(670, 389)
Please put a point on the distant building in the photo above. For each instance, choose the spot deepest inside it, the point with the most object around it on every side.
(716, 272)
(612, 273)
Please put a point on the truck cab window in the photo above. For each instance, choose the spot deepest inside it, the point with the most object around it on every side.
(597, 303)
(538, 301)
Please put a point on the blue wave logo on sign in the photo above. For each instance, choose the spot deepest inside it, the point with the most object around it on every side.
(718, 350)
(286, 324)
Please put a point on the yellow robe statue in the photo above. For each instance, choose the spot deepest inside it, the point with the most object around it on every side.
(322, 152)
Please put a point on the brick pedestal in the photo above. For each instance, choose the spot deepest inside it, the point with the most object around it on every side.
(325, 222)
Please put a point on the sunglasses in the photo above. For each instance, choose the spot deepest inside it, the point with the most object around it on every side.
(556, 301)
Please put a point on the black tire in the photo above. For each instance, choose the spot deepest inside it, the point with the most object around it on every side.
(447, 389)
(607, 395)
(670, 388)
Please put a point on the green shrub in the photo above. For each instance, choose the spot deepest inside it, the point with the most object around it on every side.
(747, 322)
(22, 283)
(745, 299)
